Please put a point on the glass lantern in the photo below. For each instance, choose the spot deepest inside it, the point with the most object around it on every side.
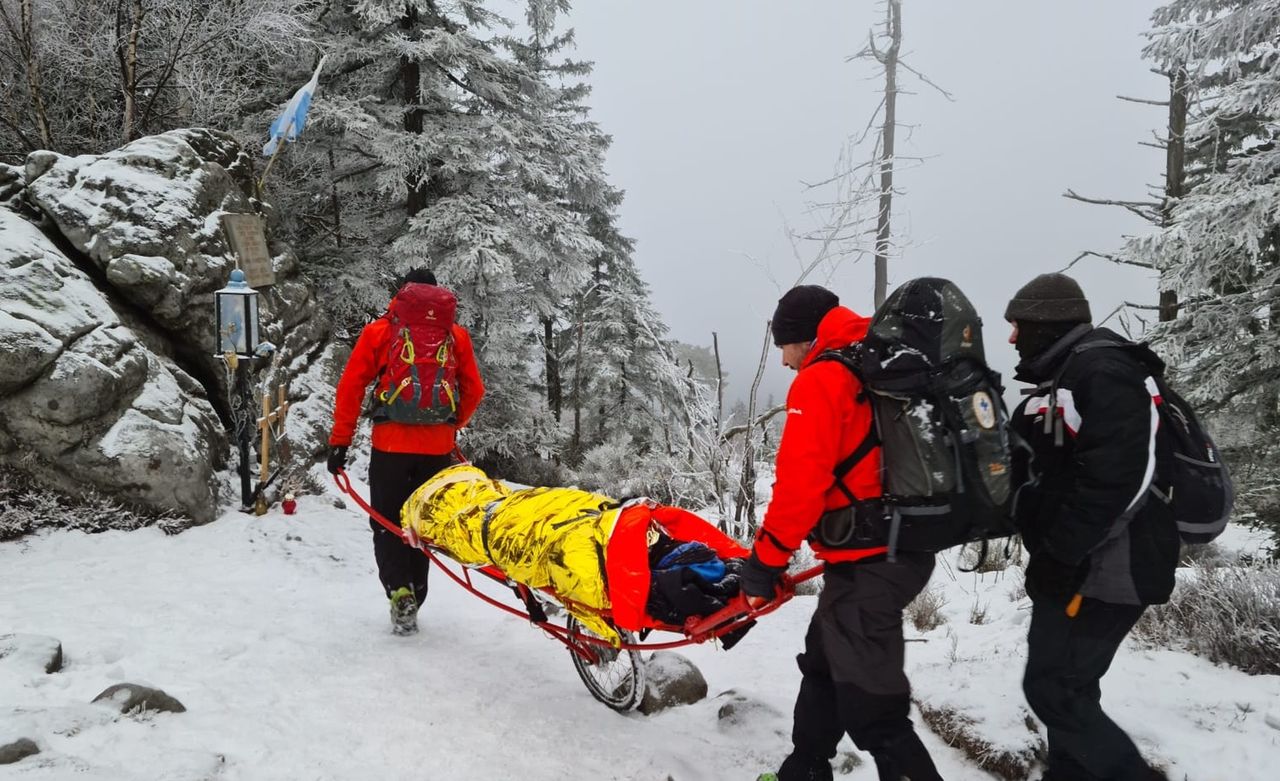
(237, 312)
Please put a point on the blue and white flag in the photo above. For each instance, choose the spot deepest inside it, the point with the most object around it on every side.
(294, 117)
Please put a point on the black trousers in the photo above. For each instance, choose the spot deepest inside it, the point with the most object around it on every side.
(1066, 659)
(853, 673)
(392, 478)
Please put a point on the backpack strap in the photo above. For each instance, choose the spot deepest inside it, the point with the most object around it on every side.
(848, 357)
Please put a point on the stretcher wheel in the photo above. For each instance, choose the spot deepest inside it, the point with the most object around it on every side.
(616, 676)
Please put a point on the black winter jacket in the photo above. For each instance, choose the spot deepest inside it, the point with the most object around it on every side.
(1085, 501)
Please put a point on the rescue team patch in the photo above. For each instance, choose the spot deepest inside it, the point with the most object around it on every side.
(984, 410)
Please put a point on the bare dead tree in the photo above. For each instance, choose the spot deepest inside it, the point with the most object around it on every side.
(1155, 212)
(744, 511)
(1175, 172)
(717, 463)
(22, 34)
(129, 18)
(888, 59)
(757, 423)
(864, 183)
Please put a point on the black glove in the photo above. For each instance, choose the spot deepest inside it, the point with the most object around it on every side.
(337, 459)
(1054, 581)
(759, 579)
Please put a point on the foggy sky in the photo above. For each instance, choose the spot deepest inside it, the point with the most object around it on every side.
(720, 109)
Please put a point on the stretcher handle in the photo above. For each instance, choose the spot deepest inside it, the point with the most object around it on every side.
(737, 613)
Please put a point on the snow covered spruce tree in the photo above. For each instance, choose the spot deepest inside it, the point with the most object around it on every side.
(611, 380)
(1219, 248)
(452, 137)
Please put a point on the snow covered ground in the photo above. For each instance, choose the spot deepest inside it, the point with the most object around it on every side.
(273, 632)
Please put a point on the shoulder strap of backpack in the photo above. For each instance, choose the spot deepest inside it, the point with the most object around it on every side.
(848, 357)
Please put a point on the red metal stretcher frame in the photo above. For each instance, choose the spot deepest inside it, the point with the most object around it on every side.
(735, 615)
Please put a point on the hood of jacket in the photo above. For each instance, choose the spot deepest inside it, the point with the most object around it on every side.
(840, 327)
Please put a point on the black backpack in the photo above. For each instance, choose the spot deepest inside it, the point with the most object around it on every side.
(1200, 493)
(940, 420)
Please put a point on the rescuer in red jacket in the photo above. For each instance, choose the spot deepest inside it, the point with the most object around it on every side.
(828, 488)
(404, 454)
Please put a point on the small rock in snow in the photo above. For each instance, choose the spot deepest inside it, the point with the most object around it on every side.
(130, 697)
(670, 680)
(19, 749)
(1273, 720)
(31, 651)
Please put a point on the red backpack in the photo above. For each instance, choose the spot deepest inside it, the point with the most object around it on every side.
(420, 381)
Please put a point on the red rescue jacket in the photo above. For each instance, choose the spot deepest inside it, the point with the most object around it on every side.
(368, 359)
(825, 423)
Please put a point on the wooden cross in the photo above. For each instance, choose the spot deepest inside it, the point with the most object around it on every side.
(270, 417)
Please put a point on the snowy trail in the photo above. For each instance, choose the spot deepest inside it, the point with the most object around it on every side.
(273, 632)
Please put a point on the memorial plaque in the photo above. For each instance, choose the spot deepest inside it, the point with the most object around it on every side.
(248, 241)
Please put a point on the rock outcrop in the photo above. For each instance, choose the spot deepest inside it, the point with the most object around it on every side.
(108, 377)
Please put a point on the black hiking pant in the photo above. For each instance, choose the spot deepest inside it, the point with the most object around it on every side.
(853, 673)
(392, 478)
(1066, 659)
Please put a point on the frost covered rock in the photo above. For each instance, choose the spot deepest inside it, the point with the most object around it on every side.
(131, 698)
(30, 653)
(108, 377)
(17, 750)
(85, 402)
(148, 216)
(670, 680)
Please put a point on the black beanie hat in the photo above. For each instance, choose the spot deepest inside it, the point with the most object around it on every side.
(799, 312)
(1049, 298)
(419, 274)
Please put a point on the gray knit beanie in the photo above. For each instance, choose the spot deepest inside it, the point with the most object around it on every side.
(1049, 298)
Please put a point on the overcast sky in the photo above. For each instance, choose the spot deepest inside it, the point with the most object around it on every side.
(721, 109)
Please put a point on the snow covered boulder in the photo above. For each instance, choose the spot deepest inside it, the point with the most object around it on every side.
(147, 219)
(670, 680)
(131, 698)
(88, 401)
(17, 750)
(142, 215)
(30, 653)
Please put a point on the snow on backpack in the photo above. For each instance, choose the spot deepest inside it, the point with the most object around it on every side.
(941, 421)
(420, 381)
(1200, 492)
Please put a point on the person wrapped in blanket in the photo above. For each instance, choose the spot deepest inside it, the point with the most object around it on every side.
(613, 565)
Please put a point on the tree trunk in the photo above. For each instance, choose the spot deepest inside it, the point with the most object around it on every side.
(717, 465)
(552, 360)
(417, 181)
(27, 46)
(577, 393)
(890, 61)
(1174, 172)
(744, 514)
(337, 207)
(127, 50)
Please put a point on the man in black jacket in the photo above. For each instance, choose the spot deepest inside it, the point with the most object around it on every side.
(1102, 546)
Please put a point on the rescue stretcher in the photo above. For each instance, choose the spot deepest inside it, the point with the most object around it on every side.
(604, 640)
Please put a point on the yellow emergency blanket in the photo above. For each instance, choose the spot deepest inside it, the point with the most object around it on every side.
(542, 537)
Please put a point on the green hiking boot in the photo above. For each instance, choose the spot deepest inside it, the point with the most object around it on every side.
(404, 612)
(767, 777)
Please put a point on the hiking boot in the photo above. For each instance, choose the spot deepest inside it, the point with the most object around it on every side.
(404, 612)
(767, 777)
